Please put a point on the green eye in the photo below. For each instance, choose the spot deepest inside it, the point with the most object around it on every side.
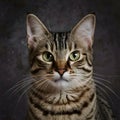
(47, 56)
(74, 56)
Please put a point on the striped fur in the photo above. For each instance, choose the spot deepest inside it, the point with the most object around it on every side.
(63, 89)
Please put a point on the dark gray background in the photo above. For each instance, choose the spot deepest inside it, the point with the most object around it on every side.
(57, 15)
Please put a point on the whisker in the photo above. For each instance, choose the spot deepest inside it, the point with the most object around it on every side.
(26, 87)
(42, 85)
(20, 85)
(42, 76)
(116, 76)
(19, 88)
(98, 78)
(25, 91)
(103, 91)
(17, 84)
(108, 88)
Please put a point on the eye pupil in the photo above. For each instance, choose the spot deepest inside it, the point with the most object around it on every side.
(48, 56)
(75, 55)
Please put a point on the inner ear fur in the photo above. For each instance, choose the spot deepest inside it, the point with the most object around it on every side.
(83, 32)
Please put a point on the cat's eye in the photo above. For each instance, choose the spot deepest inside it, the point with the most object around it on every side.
(47, 56)
(74, 56)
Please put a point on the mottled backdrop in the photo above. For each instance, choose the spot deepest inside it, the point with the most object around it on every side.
(57, 15)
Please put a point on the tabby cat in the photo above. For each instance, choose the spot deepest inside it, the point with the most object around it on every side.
(61, 66)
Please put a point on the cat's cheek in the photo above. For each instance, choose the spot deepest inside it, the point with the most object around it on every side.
(66, 75)
(56, 75)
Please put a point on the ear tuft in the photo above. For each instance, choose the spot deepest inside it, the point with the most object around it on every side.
(83, 32)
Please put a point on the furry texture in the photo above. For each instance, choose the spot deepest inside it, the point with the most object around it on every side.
(61, 65)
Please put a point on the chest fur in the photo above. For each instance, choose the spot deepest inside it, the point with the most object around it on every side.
(70, 105)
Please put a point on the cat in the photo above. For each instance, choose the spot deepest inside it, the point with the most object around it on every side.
(61, 66)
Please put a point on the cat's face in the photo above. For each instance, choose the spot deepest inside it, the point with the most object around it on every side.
(60, 60)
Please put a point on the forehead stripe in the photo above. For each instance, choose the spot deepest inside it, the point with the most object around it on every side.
(60, 40)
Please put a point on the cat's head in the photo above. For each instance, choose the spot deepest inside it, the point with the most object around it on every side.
(61, 60)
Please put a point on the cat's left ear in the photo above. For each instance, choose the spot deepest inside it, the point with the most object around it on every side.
(83, 32)
(36, 31)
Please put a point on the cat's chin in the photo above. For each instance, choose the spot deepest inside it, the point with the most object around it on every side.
(61, 83)
(61, 80)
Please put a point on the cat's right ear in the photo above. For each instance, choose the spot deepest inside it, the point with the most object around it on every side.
(36, 31)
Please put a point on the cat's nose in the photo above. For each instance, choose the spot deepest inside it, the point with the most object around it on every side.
(61, 71)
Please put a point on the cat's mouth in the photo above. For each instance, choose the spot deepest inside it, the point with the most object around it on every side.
(61, 80)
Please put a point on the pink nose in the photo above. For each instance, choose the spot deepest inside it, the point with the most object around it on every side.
(61, 71)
